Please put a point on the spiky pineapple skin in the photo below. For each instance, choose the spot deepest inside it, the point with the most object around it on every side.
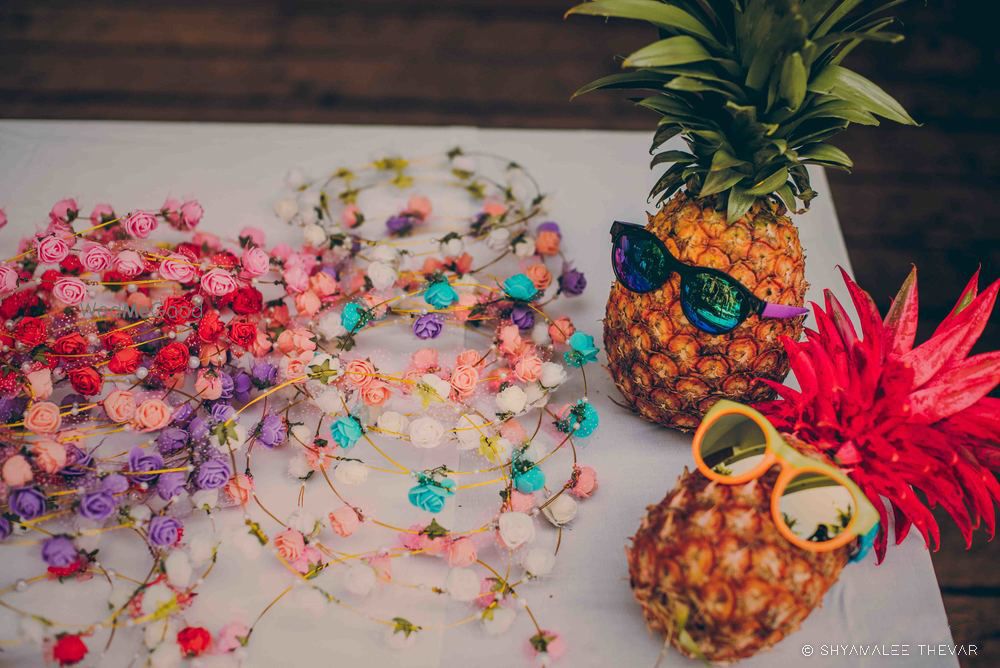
(713, 551)
(670, 371)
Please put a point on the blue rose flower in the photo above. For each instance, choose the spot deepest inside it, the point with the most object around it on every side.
(440, 294)
(346, 431)
(353, 317)
(431, 494)
(582, 420)
(583, 350)
(529, 480)
(520, 288)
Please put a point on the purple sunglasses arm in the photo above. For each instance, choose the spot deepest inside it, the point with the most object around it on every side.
(781, 311)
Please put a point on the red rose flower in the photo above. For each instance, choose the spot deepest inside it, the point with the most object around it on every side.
(125, 361)
(71, 344)
(247, 301)
(172, 358)
(30, 331)
(71, 264)
(69, 650)
(225, 259)
(117, 340)
(242, 332)
(210, 328)
(194, 640)
(86, 380)
(8, 383)
(193, 251)
(66, 571)
(177, 310)
(49, 279)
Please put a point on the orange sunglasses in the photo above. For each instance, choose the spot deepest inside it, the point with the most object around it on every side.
(735, 444)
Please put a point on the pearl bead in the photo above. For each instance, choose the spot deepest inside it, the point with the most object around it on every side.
(171, 334)
(197, 300)
(131, 288)
(141, 372)
(194, 362)
(21, 585)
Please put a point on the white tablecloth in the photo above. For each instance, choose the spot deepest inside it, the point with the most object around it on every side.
(236, 172)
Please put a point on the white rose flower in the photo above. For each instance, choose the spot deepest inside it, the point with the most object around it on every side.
(178, 567)
(538, 562)
(525, 247)
(398, 639)
(302, 434)
(440, 386)
(32, 629)
(298, 466)
(155, 597)
(426, 432)
(385, 254)
(166, 655)
(286, 209)
(295, 178)
(553, 375)
(329, 401)
(462, 584)
(463, 163)
(247, 544)
(392, 421)
(313, 234)
(351, 473)
(309, 199)
(309, 216)
(501, 621)
(310, 600)
(302, 521)
(381, 275)
(561, 511)
(453, 246)
(498, 238)
(359, 579)
(205, 498)
(469, 429)
(516, 529)
(329, 326)
(200, 546)
(512, 400)
(537, 395)
(540, 333)
(140, 513)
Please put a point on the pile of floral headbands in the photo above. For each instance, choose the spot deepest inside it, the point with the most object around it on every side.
(148, 371)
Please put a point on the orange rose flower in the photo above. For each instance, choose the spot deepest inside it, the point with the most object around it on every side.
(120, 406)
(359, 373)
(50, 456)
(547, 242)
(539, 275)
(464, 380)
(43, 418)
(152, 415)
(561, 329)
(376, 393)
(239, 488)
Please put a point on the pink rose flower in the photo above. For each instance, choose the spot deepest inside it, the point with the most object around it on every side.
(52, 249)
(239, 488)
(3, 219)
(96, 258)
(254, 234)
(8, 279)
(528, 368)
(282, 252)
(208, 385)
(261, 346)
(129, 263)
(412, 540)
(101, 213)
(351, 216)
(510, 340)
(376, 393)
(296, 341)
(323, 284)
(310, 557)
(464, 380)
(171, 211)
(521, 503)
(294, 366)
(229, 637)
(308, 303)
(40, 381)
(468, 357)
(466, 302)
(514, 432)
(49, 455)
(218, 282)
(296, 279)
(419, 206)
(381, 563)
(255, 261)
(43, 418)
(191, 213)
(424, 359)
(69, 290)
(208, 240)
(140, 224)
(359, 373)
(561, 329)
(344, 520)
(177, 267)
(16, 471)
(152, 415)
(289, 544)
(119, 406)
(64, 211)
(586, 482)
(462, 552)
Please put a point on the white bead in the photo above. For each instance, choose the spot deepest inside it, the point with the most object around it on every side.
(194, 362)
(141, 372)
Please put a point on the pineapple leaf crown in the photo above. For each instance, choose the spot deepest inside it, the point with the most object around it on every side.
(754, 87)
(913, 425)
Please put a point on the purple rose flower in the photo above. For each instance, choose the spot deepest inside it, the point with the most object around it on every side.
(572, 282)
(242, 384)
(222, 411)
(212, 473)
(10, 407)
(264, 374)
(164, 531)
(142, 460)
(226, 381)
(182, 414)
(97, 505)
(522, 316)
(171, 439)
(550, 226)
(170, 484)
(272, 431)
(77, 462)
(400, 225)
(59, 551)
(198, 428)
(26, 502)
(428, 326)
(5, 527)
(114, 483)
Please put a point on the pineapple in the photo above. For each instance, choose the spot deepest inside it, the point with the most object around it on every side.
(754, 88)
(708, 566)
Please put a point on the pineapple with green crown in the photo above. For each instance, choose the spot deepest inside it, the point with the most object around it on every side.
(755, 88)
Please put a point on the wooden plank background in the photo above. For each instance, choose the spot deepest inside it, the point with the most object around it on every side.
(918, 195)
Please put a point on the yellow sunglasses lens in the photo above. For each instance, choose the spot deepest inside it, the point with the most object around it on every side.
(733, 445)
(815, 507)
